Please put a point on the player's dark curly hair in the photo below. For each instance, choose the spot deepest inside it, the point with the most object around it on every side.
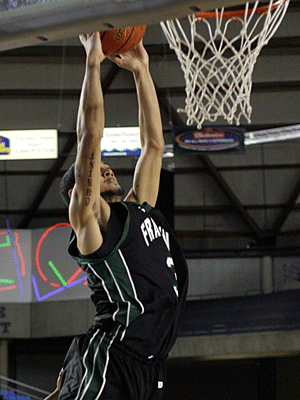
(67, 182)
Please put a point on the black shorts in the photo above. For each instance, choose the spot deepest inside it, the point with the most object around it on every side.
(99, 368)
(132, 377)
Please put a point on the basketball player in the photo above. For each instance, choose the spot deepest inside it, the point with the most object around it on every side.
(135, 268)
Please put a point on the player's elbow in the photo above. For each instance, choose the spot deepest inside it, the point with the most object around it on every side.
(154, 150)
(155, 145)
(90, 122)
(89, 138)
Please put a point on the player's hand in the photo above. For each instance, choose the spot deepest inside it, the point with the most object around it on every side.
(133, 60)
(93, 48)
(58, 384)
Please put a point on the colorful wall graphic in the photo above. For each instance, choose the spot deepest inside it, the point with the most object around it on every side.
(35, 266)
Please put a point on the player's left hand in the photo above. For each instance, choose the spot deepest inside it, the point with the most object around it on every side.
(133, 60)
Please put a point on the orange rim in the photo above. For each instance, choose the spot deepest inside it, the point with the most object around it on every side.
(239, 13)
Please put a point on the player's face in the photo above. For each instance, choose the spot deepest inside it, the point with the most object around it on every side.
(109, 186)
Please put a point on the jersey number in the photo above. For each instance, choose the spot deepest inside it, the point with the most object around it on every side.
(170, 264)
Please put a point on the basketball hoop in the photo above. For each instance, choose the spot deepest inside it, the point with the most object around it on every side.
(218, 56)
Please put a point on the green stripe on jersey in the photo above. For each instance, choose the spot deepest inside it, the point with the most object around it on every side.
(95, 360)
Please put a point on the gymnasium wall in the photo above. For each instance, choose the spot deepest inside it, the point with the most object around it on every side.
(41, 284)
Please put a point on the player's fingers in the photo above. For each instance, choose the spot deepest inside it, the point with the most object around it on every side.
(115, 59)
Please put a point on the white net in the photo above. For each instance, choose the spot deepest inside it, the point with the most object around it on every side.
(217, 53)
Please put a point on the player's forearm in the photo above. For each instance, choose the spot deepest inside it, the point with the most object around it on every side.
(91, 108)
(53, 396)
(149, 112)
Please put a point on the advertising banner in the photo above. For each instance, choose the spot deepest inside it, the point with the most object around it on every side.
(190, 140)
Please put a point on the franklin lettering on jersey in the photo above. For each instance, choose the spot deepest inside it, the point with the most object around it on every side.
(151, 232)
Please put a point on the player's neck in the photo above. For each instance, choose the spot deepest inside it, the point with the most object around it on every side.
(112, 199)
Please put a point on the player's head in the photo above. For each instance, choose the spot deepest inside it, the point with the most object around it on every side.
(110, 189)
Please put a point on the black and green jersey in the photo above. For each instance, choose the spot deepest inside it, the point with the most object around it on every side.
(139, 280)
(139, 288)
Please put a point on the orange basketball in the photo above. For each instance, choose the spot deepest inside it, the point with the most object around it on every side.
(121, 40)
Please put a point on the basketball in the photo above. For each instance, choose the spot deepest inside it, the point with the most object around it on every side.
(121, 40)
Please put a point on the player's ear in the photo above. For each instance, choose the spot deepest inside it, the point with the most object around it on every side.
(70, 192)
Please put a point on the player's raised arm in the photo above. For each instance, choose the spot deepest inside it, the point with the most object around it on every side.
(148, 168)
(85, 205)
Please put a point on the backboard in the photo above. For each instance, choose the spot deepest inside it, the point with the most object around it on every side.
(30, 22)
